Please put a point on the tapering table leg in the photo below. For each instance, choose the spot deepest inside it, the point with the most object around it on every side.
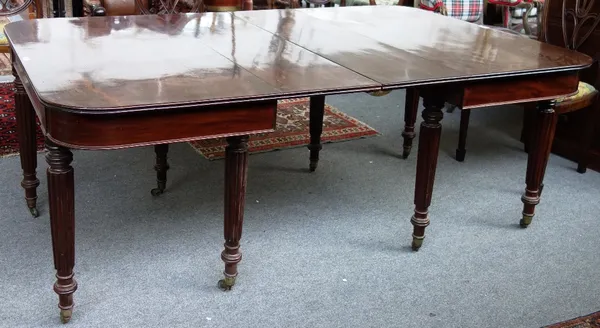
(161, 167)
(429, 144)
(461, 151)
(411, 106)
(317, 112)
(27, 144)
(236, 167)
(539, 152)
(62, 224)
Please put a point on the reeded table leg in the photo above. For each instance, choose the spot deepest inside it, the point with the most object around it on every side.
(429, 144)
(236, 167)
(27, 144)
(539, 152)
(161, 167)
(411, 107)
(317, 111)
(62, 223)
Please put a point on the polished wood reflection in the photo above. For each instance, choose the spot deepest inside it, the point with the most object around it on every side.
(141, 61)
(392, 45)
(130, 81)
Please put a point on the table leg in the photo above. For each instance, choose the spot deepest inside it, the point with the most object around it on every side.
(429, 144)
(26, 130)
(61, 196)
(539, 152)
(317, 112)
(461, 151)
(161, 167)
(236, 167)
(411, 106)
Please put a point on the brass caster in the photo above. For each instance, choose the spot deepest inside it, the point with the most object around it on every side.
(525, 221)
(34, 212)
(417, 243)
(156, 192)
(65, 315)
(226, 284)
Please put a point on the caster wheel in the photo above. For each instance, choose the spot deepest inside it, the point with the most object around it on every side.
(65, 315)
(224, 285)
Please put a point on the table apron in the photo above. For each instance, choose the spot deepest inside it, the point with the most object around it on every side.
(115, 131)
(515, 90)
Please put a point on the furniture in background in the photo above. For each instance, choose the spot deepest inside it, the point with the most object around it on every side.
(10, 8)
(139, 7)
(517, 14)
(578, 129)
(574, 25)
(466, 10)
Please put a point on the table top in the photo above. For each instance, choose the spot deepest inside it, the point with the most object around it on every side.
(133, 62)
(401, 46)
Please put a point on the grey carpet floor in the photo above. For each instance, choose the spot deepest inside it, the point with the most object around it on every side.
(327, 249)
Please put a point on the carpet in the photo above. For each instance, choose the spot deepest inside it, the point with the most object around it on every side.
(293, 130)
(588, 321)
(9, 142)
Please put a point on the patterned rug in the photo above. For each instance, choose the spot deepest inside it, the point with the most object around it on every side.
(9, 143)
(588, 321)
(292, 130)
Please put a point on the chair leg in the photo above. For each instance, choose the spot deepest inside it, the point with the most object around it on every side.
(526, 14)
(506, 16)
(461, 151)
(592, 118)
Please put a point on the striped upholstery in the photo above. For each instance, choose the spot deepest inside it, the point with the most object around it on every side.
(467, 10)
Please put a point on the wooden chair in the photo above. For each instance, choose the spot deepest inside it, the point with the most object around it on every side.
(519, 12)
(8, 9)
(574, 24)
(578, 126)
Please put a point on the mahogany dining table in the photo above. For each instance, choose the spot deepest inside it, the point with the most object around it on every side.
(102, 83)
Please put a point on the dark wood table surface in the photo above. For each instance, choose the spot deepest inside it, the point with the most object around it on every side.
(154, 80)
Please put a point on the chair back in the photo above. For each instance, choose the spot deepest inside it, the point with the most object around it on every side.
(575, 24)
(467, 10)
